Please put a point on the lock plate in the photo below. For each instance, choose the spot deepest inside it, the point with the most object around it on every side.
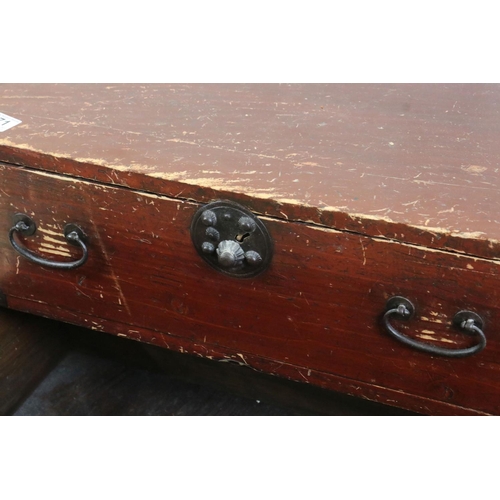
(231, 239)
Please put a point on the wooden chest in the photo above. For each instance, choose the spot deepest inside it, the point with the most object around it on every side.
(330, 200)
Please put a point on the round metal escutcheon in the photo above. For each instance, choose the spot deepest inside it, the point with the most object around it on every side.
(73, 228)
(28, 221)
(462, 316)
(231, 239)
(395, 302)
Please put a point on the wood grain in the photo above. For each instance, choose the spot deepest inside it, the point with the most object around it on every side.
(313, 317)
(413, 163)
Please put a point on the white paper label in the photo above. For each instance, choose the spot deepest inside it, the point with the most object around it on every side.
(7, 122)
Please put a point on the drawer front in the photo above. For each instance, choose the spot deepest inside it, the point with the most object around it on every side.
(314, 315)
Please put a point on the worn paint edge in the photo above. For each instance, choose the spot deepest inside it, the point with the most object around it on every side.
(313, 225)
(432, 232)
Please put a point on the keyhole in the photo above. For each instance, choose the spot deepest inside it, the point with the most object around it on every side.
(241, 237)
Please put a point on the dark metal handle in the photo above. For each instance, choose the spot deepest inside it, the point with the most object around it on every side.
(25, 226)
(466, 321)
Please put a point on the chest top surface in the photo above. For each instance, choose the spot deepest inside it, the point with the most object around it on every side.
(416, 163)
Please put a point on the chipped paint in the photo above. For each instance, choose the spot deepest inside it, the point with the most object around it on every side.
(52, 249)
(440, 251)
(242, 357)
(363, 250)
(474, 169)
(431, 320)
(433, 337)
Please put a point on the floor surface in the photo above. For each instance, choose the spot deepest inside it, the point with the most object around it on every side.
(85, 384)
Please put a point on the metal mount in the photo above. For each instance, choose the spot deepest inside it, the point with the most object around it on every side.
(466, 321)
(25, 226)
(231, 239)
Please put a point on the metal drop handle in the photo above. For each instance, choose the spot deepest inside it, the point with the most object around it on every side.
(25, 226)
(466, 321)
